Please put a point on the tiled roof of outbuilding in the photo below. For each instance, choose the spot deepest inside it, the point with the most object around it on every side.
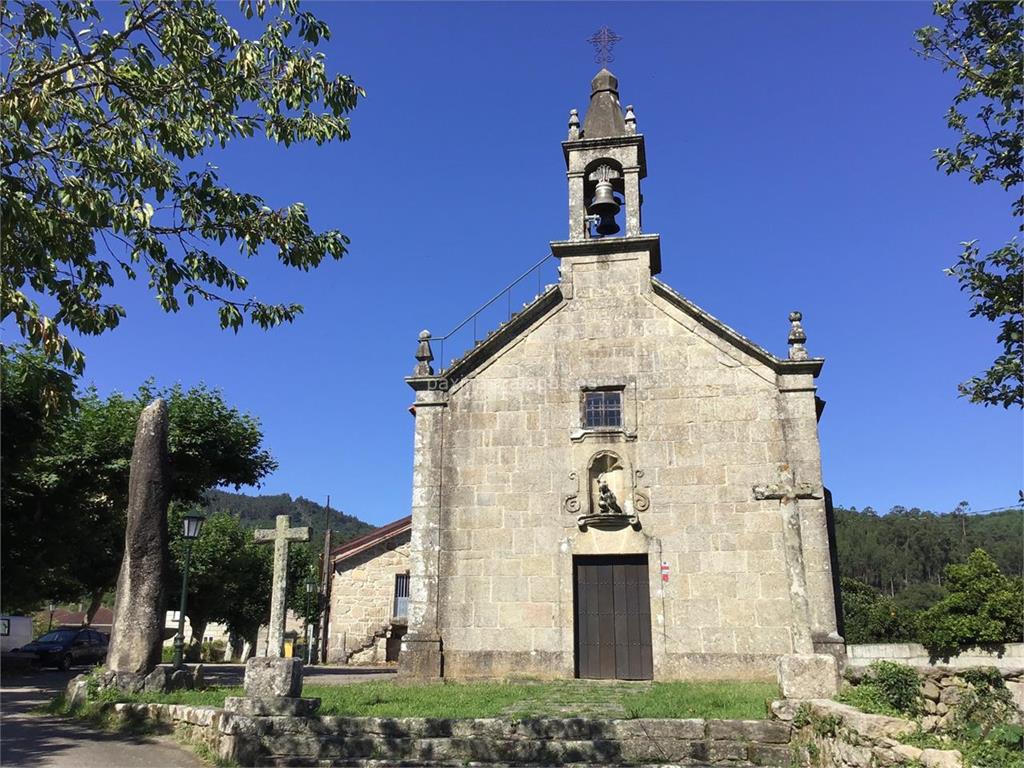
(374, 537)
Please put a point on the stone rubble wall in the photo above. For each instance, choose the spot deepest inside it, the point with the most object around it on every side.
(832, 735)
(941, 689)
(323, 741)
(362, 593)
(915, 655)
(196, 725)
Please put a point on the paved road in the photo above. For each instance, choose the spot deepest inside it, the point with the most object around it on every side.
(49, 742)
(53, 742)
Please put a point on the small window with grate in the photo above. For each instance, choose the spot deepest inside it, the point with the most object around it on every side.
(401, 608)
(602, 408)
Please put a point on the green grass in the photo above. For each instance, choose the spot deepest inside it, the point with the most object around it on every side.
(725, 701)
(211, 697)
(569, 698)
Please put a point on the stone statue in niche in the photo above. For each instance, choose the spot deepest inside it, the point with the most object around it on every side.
(607, 504)
(610, 494)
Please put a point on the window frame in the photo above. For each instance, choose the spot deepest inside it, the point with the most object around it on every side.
(602, 411)
(400, 579)
(626, 430)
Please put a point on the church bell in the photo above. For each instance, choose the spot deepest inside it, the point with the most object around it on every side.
(606, 206)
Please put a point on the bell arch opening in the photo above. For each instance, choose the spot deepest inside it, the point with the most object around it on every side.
(604, 189)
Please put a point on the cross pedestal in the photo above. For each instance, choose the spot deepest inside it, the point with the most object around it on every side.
(273, 685)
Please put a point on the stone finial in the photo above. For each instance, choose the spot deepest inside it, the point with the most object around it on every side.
(630, 120)
(797, 337)
(424, 356)
(574, 124)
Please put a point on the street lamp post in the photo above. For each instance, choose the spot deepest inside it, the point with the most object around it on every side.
(192, 525)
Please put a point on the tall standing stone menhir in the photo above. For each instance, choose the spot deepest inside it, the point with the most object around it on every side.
(137, 633)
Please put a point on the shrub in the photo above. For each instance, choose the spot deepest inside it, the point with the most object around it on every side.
(213, 650)
(872, 617)
(887, 689)
(899, 684)
(985, 705)
(167, 654)
(982, 607)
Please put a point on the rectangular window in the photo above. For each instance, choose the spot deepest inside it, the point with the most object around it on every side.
(401, 596)
(602, 408)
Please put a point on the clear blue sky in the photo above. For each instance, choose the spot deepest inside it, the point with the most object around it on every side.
(789, 154)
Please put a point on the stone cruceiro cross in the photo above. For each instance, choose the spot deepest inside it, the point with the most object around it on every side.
(803, 674)
(787, 491)
(281, 534)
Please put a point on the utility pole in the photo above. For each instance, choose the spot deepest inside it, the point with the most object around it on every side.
(325, 585)
(318, 644)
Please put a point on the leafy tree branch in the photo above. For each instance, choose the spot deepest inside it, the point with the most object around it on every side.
(981, 42)
(104, 134)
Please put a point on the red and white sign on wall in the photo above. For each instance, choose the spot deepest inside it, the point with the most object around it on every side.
(664, 572)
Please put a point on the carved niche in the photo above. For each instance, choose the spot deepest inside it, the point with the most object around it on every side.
(610, 497)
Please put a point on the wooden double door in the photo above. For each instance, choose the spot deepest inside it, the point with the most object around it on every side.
(613, 617)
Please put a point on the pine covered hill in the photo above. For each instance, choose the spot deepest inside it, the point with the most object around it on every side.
(908, 547)
(260, 511)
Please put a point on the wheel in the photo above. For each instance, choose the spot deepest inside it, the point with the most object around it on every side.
(65, 662)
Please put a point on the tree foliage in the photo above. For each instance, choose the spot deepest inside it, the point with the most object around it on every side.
(223, 562)
(260, 511)
(979, 606)
(981, 42)
(231, 575)
(871, 617)
(983, 607)
(905, 548)
(106, 119)
(65, 473)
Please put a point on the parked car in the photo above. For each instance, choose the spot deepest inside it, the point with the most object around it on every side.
(68, 647)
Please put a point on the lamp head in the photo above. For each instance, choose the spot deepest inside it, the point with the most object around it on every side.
(192, 525)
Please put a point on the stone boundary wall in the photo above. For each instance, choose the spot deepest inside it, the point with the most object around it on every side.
(941, 690)
(916, 655)
(323, 741)
(828, 734)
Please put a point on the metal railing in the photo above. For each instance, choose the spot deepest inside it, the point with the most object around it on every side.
(488, 315)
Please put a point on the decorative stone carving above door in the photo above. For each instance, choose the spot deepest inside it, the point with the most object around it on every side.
(609, 497)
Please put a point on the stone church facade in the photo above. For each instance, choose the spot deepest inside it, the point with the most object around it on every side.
(615, 483)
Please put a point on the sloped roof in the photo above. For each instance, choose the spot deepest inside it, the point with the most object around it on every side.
(102, 621)
(371, 539)
(504, 333)
(735, 338)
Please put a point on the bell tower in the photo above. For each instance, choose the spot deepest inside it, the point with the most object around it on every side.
(605, 163)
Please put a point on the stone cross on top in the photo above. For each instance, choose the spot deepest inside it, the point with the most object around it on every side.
(281, 534)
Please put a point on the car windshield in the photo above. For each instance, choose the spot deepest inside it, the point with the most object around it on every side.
(56, 637)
